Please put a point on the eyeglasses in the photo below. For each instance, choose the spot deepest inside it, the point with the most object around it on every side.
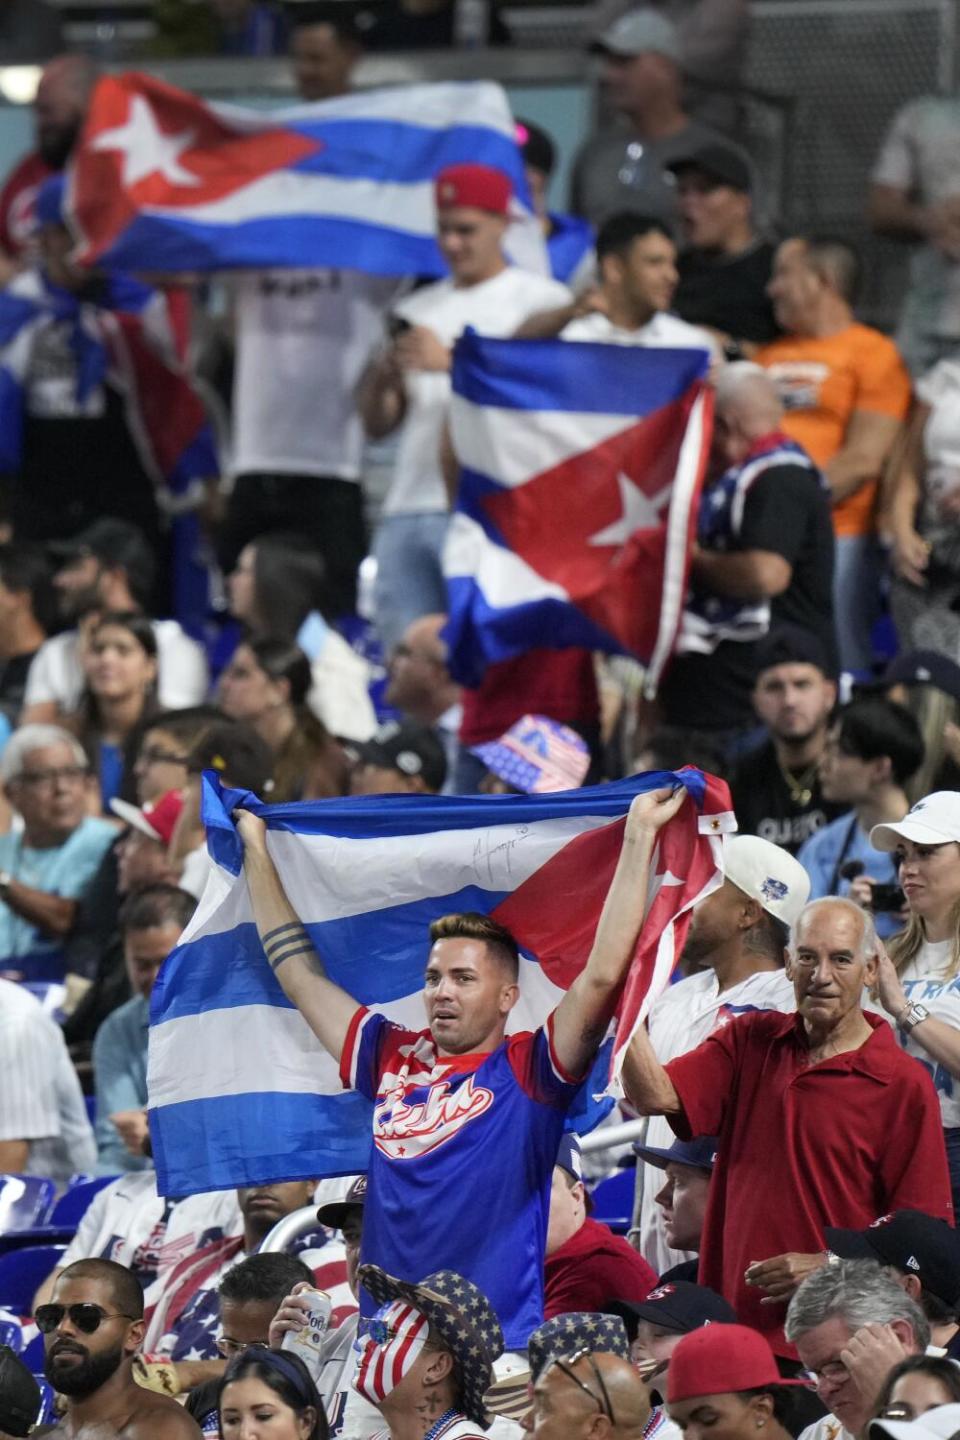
(834, 1372)
(46, 779)
(85, 1317)
(565, 1366)
(161, 757)
(229, 1347)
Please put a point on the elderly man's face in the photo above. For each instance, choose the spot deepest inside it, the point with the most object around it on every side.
(50, 794)
(826, 968)
(820, 1351)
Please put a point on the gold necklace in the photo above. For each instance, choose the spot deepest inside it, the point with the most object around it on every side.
(800, 787)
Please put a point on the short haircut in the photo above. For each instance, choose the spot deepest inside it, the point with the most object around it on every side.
(339, 17)
(26, 567)
(125, 1289)
(155, 905)
(266, 1277)
(868, 931)
(470, 925)
(837, 262)
(617, 234)
(185, 726)
(876, 727)
(36, 737)
(237, 753)
(858, 1292)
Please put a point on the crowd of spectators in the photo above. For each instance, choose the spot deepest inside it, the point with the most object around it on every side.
(791, 1263)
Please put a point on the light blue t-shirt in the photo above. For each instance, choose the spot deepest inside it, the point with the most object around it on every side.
(830, 848)
(120, 1080)
(64, 870)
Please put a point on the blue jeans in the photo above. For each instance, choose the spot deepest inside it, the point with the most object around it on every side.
(410, 583)
(856, 599)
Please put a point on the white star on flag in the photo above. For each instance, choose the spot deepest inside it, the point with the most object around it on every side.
(660, 878)
(639, 513)
(147, 150)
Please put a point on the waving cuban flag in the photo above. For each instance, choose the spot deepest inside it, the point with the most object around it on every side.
(581, 468)
(241, 1092)
(165, 181)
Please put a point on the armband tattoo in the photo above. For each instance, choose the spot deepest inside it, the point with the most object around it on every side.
(286, 941)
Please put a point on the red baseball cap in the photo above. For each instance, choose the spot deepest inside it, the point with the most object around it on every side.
(720, 1360)
(157, 819)
(479, 186)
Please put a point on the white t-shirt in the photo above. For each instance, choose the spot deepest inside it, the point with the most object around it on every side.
(183, 678)
(682, 1018)
(40, 1096)
(495, 307)
(925, 981)
(663, 332)
(304, 338)
(128, 1222)
(940, 389)
(829, 1428)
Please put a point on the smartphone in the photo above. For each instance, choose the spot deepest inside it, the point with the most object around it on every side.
(887, 899)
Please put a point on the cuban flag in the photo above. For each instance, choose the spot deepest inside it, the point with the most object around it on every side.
(241, 1092)
(165, 181)
(581, 469)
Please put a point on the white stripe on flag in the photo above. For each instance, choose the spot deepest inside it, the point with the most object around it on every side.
(289, 193)
(507, 445)
(504, 578)
(428, 107)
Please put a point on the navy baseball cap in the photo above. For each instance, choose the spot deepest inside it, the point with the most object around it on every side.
(911, 1241)
(568, 1155)
(700, 1153)
(679, 1305)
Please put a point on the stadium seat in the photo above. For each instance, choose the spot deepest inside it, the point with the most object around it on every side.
(21, 1272)
(25, 1201)
(613, 1201)
(75, 1200)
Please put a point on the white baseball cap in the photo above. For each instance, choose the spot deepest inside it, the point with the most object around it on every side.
(940, 1423)
(638, 31)
(768, 874)
(934, 820)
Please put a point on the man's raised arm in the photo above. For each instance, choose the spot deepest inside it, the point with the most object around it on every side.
(326, 1007)
(582, 1017)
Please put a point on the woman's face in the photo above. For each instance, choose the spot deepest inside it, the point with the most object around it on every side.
(251, 1410)
(930, 877)
(117, 664)
(914, 1394)
(241, 585)
(720, 1417)
(246, 691)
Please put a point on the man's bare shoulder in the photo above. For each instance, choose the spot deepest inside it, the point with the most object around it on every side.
(160, 1418)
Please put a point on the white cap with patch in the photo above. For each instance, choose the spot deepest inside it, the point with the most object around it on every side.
(768, 874)
(934, 820)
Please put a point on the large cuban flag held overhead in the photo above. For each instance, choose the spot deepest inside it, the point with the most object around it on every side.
(581, 468)
(165, 181)
(240, 1090)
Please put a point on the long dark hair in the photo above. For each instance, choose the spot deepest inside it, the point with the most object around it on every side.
(310, 754)
(935, 1367)
(288, 1378)
(282, 660)
(88, 721)
(289, 580)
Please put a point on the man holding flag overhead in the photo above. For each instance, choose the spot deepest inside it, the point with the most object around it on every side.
(458, 1100)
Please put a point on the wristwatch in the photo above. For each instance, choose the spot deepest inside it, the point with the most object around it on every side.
(911, 1017)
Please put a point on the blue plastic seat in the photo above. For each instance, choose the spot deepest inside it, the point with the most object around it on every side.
(613, 1201)
(21, 1272)
(25, 1201)
(75, 1200)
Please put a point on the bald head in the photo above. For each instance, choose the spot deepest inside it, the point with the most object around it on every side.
(748, 407)
(63, 95)
(563, 1409)
(420, 683)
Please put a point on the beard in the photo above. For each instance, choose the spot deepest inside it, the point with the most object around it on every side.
(55, 145)
(84, 1378)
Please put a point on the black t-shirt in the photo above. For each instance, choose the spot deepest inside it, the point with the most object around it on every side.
(203, 1404)
(13, 684)
(764, 806)
(787, 512)
(728, 293)
(392, 28)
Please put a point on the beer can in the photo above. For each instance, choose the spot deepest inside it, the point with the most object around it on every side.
(307, 1342)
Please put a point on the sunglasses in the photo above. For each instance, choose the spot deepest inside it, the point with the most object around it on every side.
(602, 1401)
(85, 1317)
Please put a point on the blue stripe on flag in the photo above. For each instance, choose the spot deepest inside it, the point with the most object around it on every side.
(175, 242)
(256, 1138)
(625, 380)
(395, 151)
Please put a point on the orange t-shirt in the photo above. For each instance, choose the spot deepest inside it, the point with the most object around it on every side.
(822, 382)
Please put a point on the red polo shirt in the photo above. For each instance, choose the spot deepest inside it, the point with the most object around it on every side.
(804, 1146)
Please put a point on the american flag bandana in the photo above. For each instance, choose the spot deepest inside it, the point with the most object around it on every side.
(395, 1336)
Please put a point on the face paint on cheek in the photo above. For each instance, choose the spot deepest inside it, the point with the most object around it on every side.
(396, 1335)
